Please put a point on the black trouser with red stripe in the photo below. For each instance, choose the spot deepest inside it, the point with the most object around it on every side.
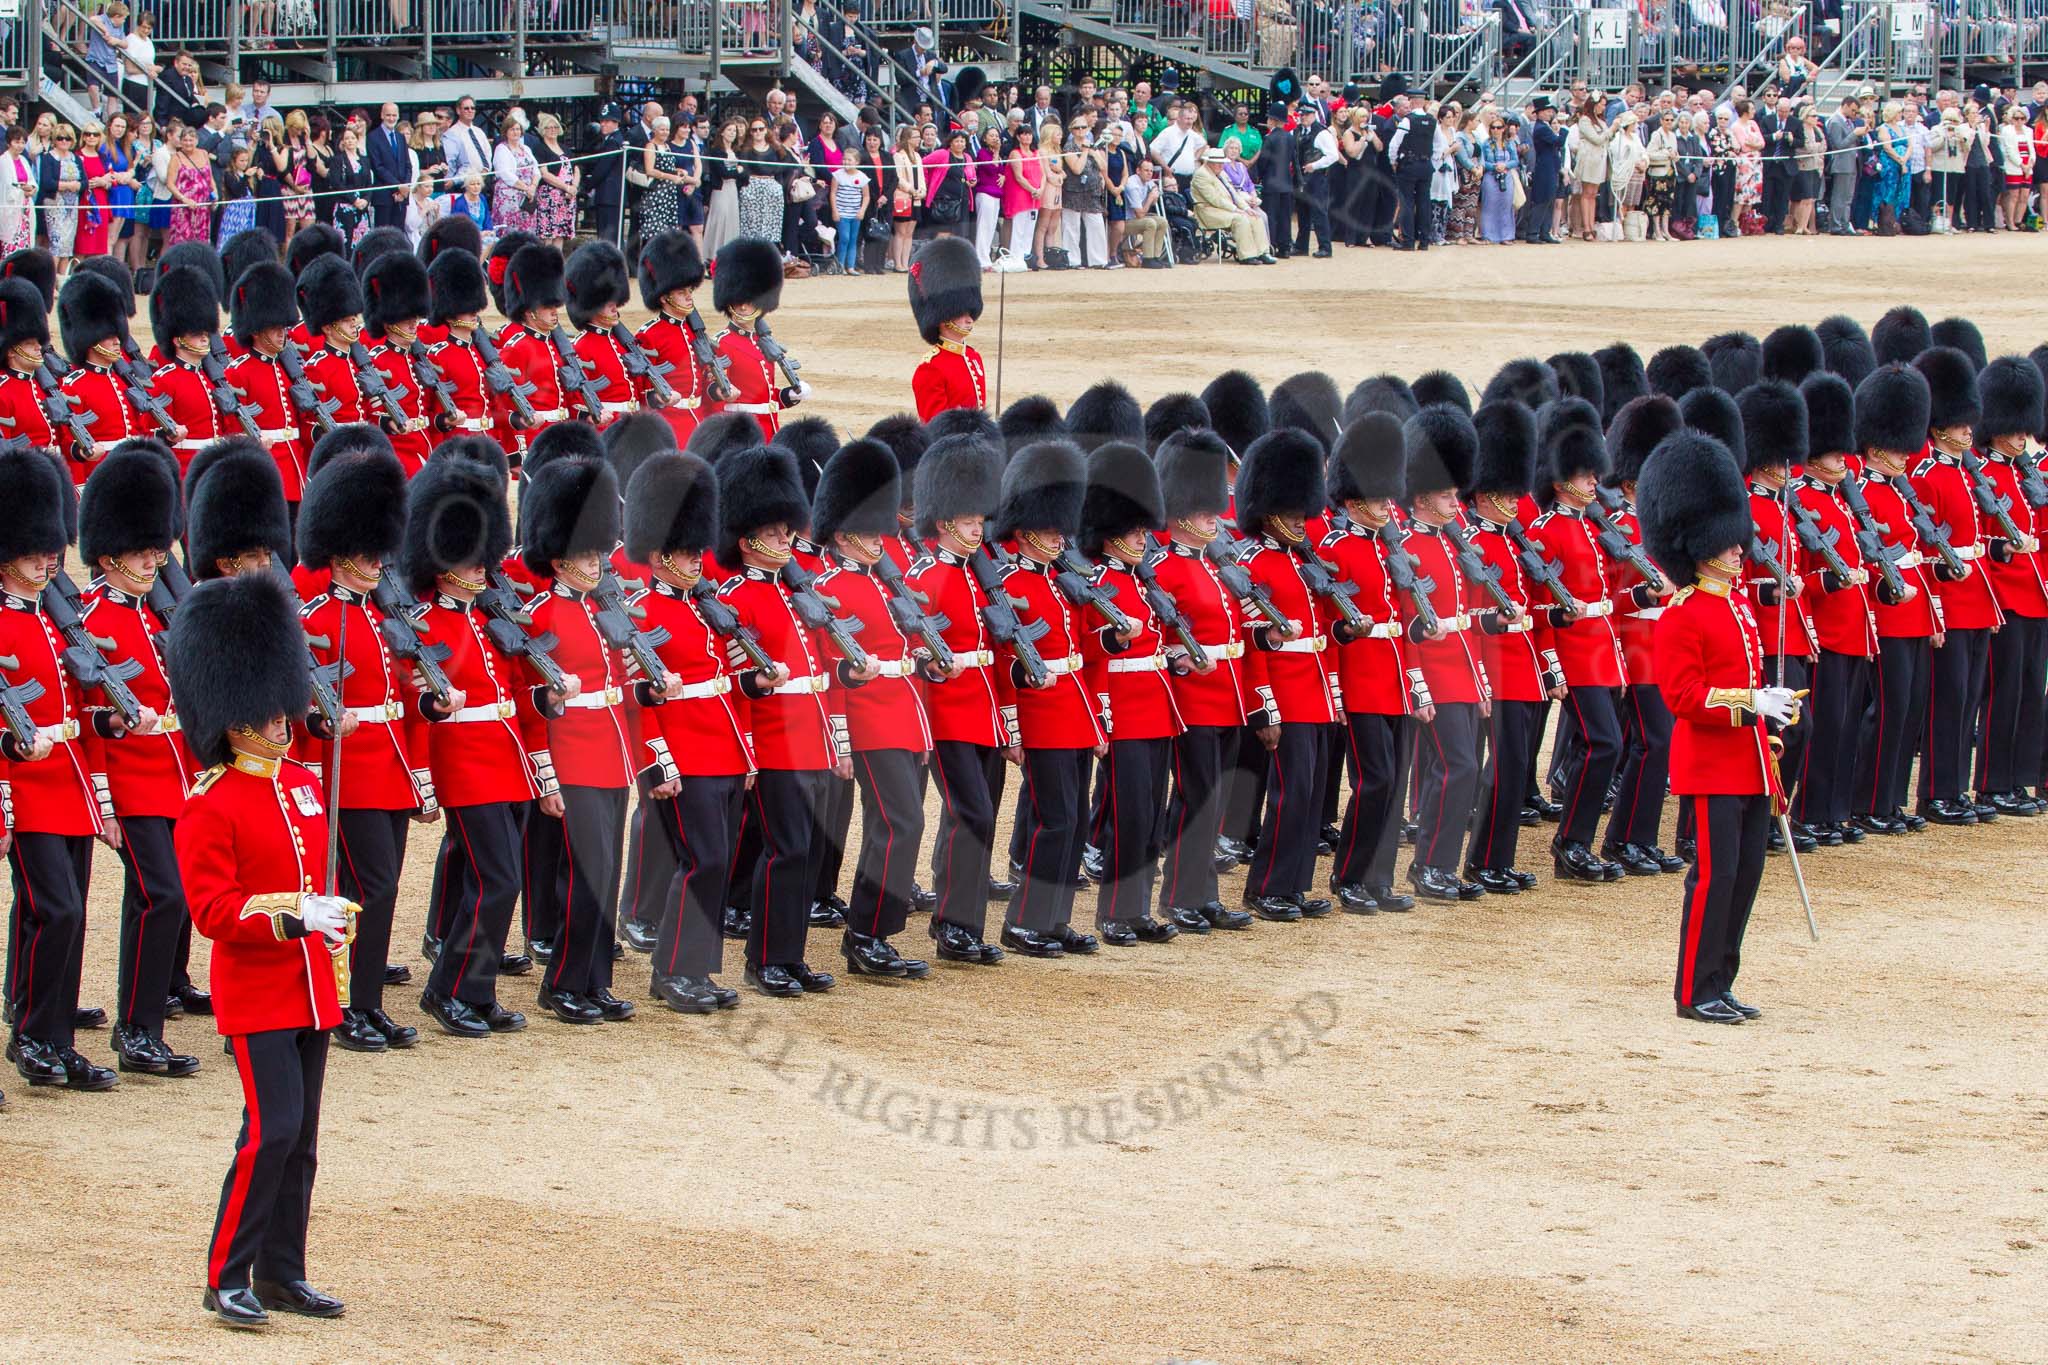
(1244, 786)
(834, 821)
(594, 830)
(1193, 816)
(1894, 718)
(697, 827)
(966, 831)
(1049, 822)
(480, 880)
(440, 909)
(268, 1193)
(1831, 717)
(650, 866)
(1370, 745)
(543, 866)
(1955, 689)
(46, 933)
(1645, 768)
(1720, 887)
(1134, 792)
(372, 857)
(1285, 863)
(1504, 785)
(2009, 756)
(891, 828)
(787, 807)
(1590, 765)
(1447, 762)
(152, 913)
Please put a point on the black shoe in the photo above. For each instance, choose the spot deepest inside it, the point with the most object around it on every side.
(1849, 831)
(1987, 814)
(1949, 813)
(914, 969)
(1074, 941)
(1714, 1011)
(725, 997)
(736, 923)
(457, 1018)
(1234, 848)
(193, 999)
(1530, 816)
(680, 994)
(1031, 943)
(396, 1035)
(1880, 824)
(515, 964)
(430, 947)
(235, 1308)
(1435, 884)
(814, 983)
(618, 950)
(1330, 835)
(866, 956)
(296, 1296)
(1312, 907)
(541, 950)
(1669, 862)
(1117, 933)
(1495, 881)
(1410, 832)
(397, 974)
(1092, 865)
(957, 943)
(824, 916)
(1746, 1011)
(37, 1061)
(1634, 859)
(356, 1034)
(922, 902)
(637, 936)
(174, 1008)
(1221, 916)
(1689, 850)
(1187, 920)
(569, 1007)
(1000, 890)
(1390, 901)
(1220, 864)
(1576, 863)
(614, 1010)
(1550, 810)
(1825, 836)
(2013, 803)
(1354, 898)
(773, 980)
(1527, 880)
(1324, 252)
(1157, 931)
(503, 1020)
(1914, 823)
(80, 1073)
(88, 1017)
(1279, 909)
(138, 1052)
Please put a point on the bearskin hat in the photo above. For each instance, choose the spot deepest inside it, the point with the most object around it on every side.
(455, 285)
(2011, 390)
(1792, 352)
(507, 245)
(350, 438)
(38, 267)
(533, 279)
(1282, 475)
(569, 508)
(671, 505)
(1845, 348)
(395, 289)
(959, 476)
(973, 422)
(1043, 486)
(1951, 386)
(328, 291)
(22, 315)
(1174, 412)
(376, 244)
(1774, 426)
(1194, 473)
(723, 434)
(1676, 371)
(236, 657)
(234, 503)
(1388, 393)
(1622, 377)
(1505, 453)
(128, 503)
(115, 272)
(945, 282)
(90, 310)
(1308, 402)
(669, 262)
(2039, 355)
(573, 440)
(249, 247)
(1029, 420)
(1441, 448)
(1440, 386)
(210, 263)
(309, 243)
(184, 303)
(1569, 442)
(1714, 412)
(1961, 334)
(1892, 407)
(1830, 414)
(354, 508)
(968, 83)
(34, 492)
(813, 441)
(1123, 495)
(904, 437)
(1691, 503)
(747, 270)
(455, 517)
(1737, 359)
(756, 488)
(211, 454)
(1237, 410)
(1369, 461)
(1527, 381)
(174, 474)
(1105, 412)
(262, 297)
(859, 491)
(1635, 432)
(1901, 334)
(481, 451)
(633, 440)
(1578, 376)
(595, 275)
(454, 232)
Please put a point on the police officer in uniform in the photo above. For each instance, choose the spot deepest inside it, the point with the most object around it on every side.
(606, 174)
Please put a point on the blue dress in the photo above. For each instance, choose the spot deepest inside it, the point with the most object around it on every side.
(1497, 191)
(121, 198)
(1894, 185)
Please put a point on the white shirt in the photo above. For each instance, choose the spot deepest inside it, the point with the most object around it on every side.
(467, 149)
(1325, 144)
(1179, 149)
(142, 52)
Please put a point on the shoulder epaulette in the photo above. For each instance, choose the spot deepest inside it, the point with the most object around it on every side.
(921, 563)
(1925, 465)
(1335, 537)
(1683, 593)
(314, 605)
(729, 584)
(204, 782)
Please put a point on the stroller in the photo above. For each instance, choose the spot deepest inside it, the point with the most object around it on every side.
(1183, 233)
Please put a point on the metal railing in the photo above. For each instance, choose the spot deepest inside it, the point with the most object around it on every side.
(1765, 36)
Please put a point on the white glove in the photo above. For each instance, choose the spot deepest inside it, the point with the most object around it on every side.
(803, 389)
(1778, 704)
(324, 915)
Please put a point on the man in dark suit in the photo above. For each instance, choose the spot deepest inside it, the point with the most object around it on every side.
(1279, 173)
(390, 169)
(606, 175)
(1780, 127)
(1547, 164)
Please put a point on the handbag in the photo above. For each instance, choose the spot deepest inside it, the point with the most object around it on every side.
(1609, 231)
(1518, 193)
(802, 189)
(899, 203)
(1710, 228)
(1635, 225)
(875, 230)
(1681, 229)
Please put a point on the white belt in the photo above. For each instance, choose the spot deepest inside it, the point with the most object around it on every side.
(710, 687)
(472, 424)
(1070, 664)
(502, 710)
(377, 715)
(806, 686)
(551, 415)
(1647, 614)
(1604, 607)
(1151, 664)
(895, 668)
(974, 658)
(191, 445)
(1912, 559)
(688, 404)
(102, 447)
(270, 436)
(593, 701)
(1384, 630)
(1307, 644)
(769, 408)
(1453, 625)
(58, 734)
(168, 724)
(616, 409)
(1517, 626)
(1966, 553)
(1233, 650)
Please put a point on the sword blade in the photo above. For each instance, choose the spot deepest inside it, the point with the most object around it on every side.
(1798, 874)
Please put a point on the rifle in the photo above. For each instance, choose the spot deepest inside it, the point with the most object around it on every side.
(571, 374)
(1479, 571)
(1930, 530)
(227, 398)
(1401, 569)
(1004, 624)
(1076, 582)
(168, 589)
(1999, 509)
(639, 367)
(135, 381)
(406, 638)
(1764, 557)
(1321, 581)
(2034, 488)
(1238, 581)
(1812, 540)
(1542, 571)
(615, 623)
(57, 406)
(908, 605)
(506, 622)
(1870, 540)
(721, 620)
(815, 610)
(1167, 613)
(772, 352)
(14, 700)
(430, 377)
(303, 396)
(503, 382)
(84, 656)
(371, 380)
(326, 678)
(1617, 545)
(717, 367)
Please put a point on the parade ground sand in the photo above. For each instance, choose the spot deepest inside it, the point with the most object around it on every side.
(1466, 1133)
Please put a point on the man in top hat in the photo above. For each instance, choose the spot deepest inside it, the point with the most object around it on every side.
(261, 310)
(1696, 520)
(184, 316)
(671, 269)
(531, 294)
(395, 299)
(457, 293)
(251, 845)
(2010, 737)
(597, 284)
(945, 298)
(351, 523)
(92, 315)
(24, 339)
(126, 520)
(746, 286)
(1547, 146)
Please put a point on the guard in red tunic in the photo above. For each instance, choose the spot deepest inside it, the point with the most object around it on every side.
(394, 301)
(304, 251)
(92, 315)
(598, 287)
(453, 233)
(2010, 735)
(1696, 520)
(671, 269)
(184, 316)
(746, 286)
(126, 517)
(252, 847)
(331, 305)
(235, 520)
(945, 298)
(456, 295)
(261, 309)
(24, 336)
(531, 294)
(1194, 487)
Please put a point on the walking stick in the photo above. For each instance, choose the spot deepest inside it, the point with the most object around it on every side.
(1778, 798)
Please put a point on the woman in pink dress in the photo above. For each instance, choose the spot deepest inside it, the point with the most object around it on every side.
(95, 211)
(1020, 191)
(192, 188)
